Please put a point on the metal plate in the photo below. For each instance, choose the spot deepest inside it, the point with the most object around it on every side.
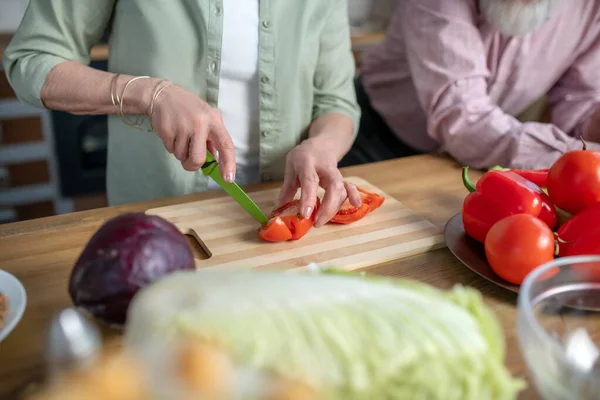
(471, 253)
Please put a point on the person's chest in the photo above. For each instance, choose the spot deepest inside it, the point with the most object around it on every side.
(185, 41)
(523, 69)
(191, 27)
(240, 40)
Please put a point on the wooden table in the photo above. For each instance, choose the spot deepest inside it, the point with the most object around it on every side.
(41, 253)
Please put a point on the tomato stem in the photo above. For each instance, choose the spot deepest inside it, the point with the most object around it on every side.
(557, 243)
(584, 143)
(466, 181)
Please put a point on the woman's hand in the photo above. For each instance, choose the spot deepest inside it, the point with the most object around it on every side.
(188, 126)
(308, 166)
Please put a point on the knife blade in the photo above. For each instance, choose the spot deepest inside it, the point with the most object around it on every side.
(211, 168)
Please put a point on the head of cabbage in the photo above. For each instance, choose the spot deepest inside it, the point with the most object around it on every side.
(345, 335)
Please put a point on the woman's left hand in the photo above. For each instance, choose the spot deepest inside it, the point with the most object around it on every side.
(312, 164)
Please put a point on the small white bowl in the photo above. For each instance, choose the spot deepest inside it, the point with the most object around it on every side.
(16, 297)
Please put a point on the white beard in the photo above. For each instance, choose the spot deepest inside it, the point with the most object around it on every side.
(518, 17)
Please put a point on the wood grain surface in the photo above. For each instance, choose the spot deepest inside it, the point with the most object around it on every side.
(42, 252)
(390, 233)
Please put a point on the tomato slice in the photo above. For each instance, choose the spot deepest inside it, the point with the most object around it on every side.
(275, 231)
(290, 215)
(348, 213)
(373, 200)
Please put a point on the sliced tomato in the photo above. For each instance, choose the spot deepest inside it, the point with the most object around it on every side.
(373, 200)
(290, 215)
(275, 231)
(348, 213)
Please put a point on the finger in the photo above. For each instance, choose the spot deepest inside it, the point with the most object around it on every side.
(167, 136)
(169, 144)
(213, 150)
(309, 185)
(290, 185)
(335, 195)
(353, 195)
(182, 144)
(224, 145)
(197, 150)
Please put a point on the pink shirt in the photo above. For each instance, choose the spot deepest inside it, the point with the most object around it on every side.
(445, 80)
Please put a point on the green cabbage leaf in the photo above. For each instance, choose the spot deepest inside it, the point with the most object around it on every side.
(347, 335)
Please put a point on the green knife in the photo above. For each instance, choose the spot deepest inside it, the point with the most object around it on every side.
(211, 168)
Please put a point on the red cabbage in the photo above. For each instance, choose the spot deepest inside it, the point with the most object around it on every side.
(127, 253)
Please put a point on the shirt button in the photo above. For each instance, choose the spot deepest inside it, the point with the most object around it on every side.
(265, 134)
(266, 176)
(213, 66)
(217, 10)
(266, 24)
(265, 79)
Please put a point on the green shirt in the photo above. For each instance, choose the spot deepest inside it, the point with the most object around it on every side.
(305, 67)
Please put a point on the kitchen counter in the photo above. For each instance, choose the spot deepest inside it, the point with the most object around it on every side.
(42, 252)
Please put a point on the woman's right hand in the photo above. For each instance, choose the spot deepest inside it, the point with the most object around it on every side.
(188, 126)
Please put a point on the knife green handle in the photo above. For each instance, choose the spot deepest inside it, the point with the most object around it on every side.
(211, 168)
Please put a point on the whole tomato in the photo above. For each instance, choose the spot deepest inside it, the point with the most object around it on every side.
(580, 234)
(574, 180)
(518, 244)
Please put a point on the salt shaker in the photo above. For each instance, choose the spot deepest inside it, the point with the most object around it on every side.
(72, 343)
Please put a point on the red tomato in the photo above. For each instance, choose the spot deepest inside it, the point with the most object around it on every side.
(585, 245)
(275, 231)
(348, 213)
(580, 234)
(373, 200)
(574, 180)
(290, 215)
(518, 244)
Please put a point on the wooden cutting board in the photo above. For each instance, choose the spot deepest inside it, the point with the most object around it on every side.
(229, 235)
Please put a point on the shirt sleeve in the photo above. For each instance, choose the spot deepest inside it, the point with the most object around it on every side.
(334, 75)
(51, 32)
(448, 62)
(576, 96)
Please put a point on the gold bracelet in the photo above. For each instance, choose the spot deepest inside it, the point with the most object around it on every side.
(136, 124)
(157, 89)
(154, 97)
(114, 96)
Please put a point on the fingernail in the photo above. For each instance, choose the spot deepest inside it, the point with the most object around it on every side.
(230, 177)
(216, 155)
(307, 212)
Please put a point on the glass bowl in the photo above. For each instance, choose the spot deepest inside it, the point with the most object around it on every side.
(558, 327)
